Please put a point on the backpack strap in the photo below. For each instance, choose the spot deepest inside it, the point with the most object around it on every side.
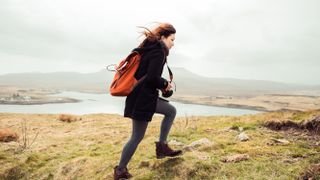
(170, 72)
(171, 75)
(114, 67)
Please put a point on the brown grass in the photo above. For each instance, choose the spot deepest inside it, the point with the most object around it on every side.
(311, 125)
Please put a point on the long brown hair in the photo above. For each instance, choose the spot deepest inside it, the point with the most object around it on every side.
(163, 29)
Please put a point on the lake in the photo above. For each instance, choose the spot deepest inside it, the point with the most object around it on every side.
(105, 103)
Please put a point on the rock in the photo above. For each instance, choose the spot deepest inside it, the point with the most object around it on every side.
(200, 142)
(203, 141)
(202, 156)
(243, 137)
(175, 143)
(7, 135)
(235, 158)
(281, 141)
(187, 148)
(240, 129)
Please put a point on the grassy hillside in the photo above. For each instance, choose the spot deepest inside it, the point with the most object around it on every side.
(89, 148)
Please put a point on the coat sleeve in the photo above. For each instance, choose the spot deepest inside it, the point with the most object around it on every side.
(154, 71)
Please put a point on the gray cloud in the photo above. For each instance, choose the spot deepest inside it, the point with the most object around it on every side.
(274, 40)
(271, 40)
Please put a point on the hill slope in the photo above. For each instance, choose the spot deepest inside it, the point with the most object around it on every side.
(91, 147)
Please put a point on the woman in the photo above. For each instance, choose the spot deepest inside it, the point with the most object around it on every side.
(144, 101)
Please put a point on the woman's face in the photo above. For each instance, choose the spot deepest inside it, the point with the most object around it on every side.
(169, 41)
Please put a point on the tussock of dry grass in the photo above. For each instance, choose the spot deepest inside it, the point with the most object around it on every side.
(7, 135)
(68, 118)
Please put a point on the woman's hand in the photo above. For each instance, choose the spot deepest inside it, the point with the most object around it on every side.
(168, 87)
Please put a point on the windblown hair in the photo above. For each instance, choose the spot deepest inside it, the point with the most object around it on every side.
(163, 29)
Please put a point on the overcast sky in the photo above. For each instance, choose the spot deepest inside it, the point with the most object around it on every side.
(274, 40)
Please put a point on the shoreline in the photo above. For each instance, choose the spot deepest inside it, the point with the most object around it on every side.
(71, 100)
(25, 103)
(234, 106)
(265, 103)
(34, 97)
(262, 103)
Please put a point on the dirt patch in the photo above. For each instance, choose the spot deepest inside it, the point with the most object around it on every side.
(17, 172)
(313, 172)
(312, 125)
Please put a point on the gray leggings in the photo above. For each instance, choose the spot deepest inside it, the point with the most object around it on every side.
(139, 128)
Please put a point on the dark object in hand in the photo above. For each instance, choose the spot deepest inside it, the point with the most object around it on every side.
(167, 94)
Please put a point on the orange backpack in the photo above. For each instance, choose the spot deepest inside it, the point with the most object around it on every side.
(124, 80)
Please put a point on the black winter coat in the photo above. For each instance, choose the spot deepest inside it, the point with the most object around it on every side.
(142, 101)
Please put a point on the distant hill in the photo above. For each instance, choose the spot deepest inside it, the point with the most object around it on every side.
(95, 82)
(186, 83)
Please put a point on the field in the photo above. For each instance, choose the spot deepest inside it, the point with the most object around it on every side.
(90, 146)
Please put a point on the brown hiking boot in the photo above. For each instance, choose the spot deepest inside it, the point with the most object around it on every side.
(121, 173)
(163, 150)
